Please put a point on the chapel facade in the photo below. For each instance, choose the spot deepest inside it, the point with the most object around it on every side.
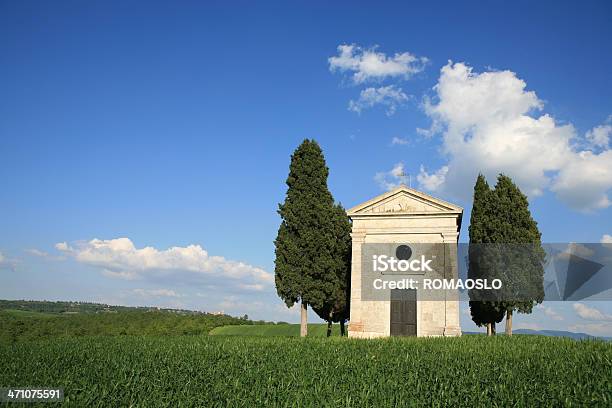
(403, 219)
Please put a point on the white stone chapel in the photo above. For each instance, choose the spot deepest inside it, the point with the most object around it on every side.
(403, 216)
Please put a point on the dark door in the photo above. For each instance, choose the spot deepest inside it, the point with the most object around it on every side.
(403, 312)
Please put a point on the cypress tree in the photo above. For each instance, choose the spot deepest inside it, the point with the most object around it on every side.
(523, 269)
(484, 313)
(305, 262)
(336, 307)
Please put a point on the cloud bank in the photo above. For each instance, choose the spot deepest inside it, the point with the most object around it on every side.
(121, 259)
(590, 313)
(490, 123)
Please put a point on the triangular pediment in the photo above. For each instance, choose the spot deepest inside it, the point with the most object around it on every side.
(405, 200)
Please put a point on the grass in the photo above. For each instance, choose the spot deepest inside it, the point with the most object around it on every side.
(222, 371)
(274, 330)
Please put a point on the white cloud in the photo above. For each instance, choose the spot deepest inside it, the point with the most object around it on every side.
(6, 263)
(389, 96)
(257, 287)
(368, 64)
(62, 246)
(584, 181)
(576, 249)
(590, 313)
(37, 252)
(599, 136)
(550, 312)
(43, 254)
(433, 130)
(390, 179)
(434, 180)
(490, 124)
(120, 258)
(148, 293)
(606, 239)
(598, 329)
(399, 141)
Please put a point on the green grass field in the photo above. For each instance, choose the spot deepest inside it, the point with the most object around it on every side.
(274, 330)
(157, 358)
(249, 371)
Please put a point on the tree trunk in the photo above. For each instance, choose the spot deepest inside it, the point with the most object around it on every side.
(509, 323)
(488, 329)
(493, 330)
(304, 320)
(342, 329)
(329, 324)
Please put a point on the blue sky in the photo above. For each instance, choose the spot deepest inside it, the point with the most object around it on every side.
(172, 126)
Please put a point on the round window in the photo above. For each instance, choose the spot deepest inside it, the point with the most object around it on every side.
(403, 252)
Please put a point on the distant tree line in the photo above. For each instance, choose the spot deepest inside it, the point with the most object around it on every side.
(25, 325)
(45, 306)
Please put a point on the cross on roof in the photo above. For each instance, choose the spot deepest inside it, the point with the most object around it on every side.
(402, 177)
